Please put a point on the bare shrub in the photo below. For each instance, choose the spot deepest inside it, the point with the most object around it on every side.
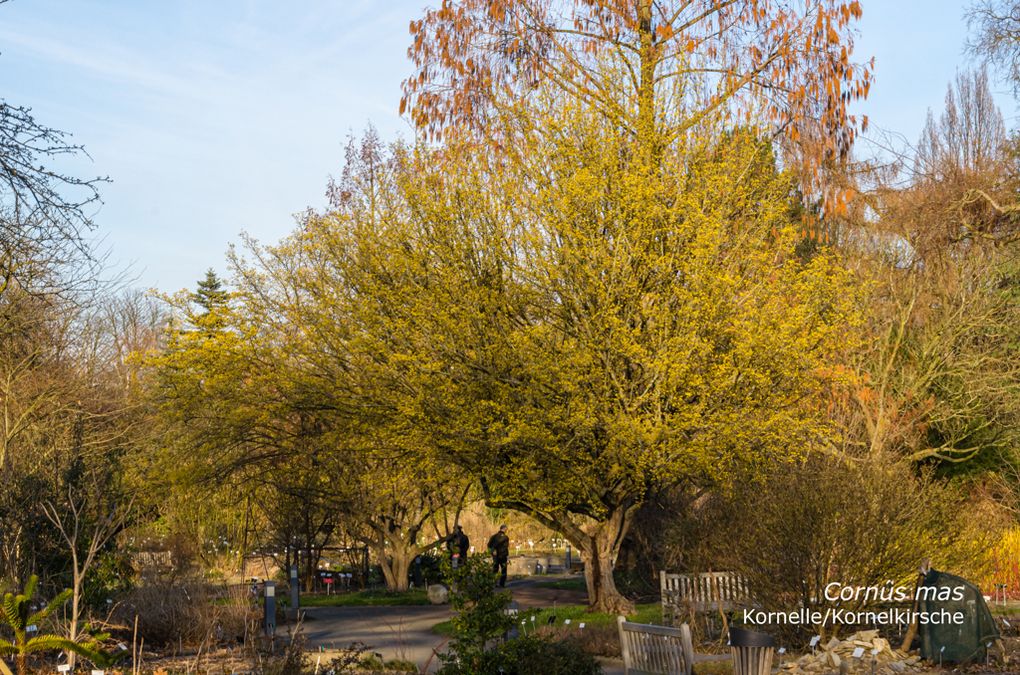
(293, 660)
(188, 615)
(792, 529)
(595, 640)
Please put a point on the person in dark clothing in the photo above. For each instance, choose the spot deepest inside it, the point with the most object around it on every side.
(458, 545)
(499, 544)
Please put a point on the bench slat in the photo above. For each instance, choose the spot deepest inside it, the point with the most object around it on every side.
(655, 650)
(711, 591)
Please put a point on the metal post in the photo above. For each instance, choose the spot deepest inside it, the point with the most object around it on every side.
(295, 591)
(269, 607)
(568, 557)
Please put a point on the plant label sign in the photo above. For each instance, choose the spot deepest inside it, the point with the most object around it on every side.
(814, 641)
(98, 672)
(32, 629)
(64, 668)
(858, 653)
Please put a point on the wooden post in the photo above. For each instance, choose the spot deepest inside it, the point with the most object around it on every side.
(908, 639)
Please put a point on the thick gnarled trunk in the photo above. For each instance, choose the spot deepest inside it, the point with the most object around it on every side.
(396, 564)
(599, 544)
(599, 562)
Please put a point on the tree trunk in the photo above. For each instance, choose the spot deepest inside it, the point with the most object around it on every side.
(600, 547)
(395, 558)
(72, 632)
(600, 552)
(311, 564)
(646, 91)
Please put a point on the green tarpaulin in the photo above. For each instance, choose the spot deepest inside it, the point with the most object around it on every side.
(955, 642)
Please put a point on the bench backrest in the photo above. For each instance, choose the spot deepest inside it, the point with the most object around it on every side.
(704, 592)
(655, 650)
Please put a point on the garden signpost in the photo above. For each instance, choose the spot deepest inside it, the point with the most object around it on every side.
(295, 591)
(270, 609)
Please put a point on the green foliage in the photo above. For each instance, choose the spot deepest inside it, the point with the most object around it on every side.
(16, 615)
(650, 612)
(112, 575)
(480, 614)
(210, 295)
(249, 388)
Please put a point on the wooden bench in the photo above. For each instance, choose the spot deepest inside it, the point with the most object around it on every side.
(655, 650)
(708, 592)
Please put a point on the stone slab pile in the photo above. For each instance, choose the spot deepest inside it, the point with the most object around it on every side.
(837, 656)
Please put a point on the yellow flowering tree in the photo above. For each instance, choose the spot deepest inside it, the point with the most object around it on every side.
(573, 330)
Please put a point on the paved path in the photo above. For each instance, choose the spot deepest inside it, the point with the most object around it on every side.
(394, 632)
(406, 632)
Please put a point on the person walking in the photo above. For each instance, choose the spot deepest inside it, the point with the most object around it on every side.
(458, 545)
(499, 545)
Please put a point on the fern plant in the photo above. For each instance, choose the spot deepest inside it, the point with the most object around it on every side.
(16, 614)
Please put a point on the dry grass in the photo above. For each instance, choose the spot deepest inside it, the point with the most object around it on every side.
(191, 616)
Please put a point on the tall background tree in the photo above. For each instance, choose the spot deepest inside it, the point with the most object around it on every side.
(658, 69)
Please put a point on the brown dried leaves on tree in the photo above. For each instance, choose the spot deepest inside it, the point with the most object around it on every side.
(659, 68)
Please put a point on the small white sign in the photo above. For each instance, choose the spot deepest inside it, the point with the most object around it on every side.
(64, 667)
(566, 622)
(782, 650)
(858, 653)
(942, 649)
(32, 629)
(270, 591)
(875, 651)
(580, 625)
(98, 672)
(815, 640)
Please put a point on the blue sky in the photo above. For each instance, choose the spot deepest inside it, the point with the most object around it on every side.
(217, 117)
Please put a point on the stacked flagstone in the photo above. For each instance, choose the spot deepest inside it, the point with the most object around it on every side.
(836, 656)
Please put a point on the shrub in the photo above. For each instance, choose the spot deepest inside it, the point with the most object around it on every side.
(539, 654)
(794, 528)
(595, 640)
(480, 615)
(350, 660)
(191, 615)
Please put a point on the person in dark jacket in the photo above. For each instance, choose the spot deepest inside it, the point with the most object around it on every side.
(499, 544)
(458, 545)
